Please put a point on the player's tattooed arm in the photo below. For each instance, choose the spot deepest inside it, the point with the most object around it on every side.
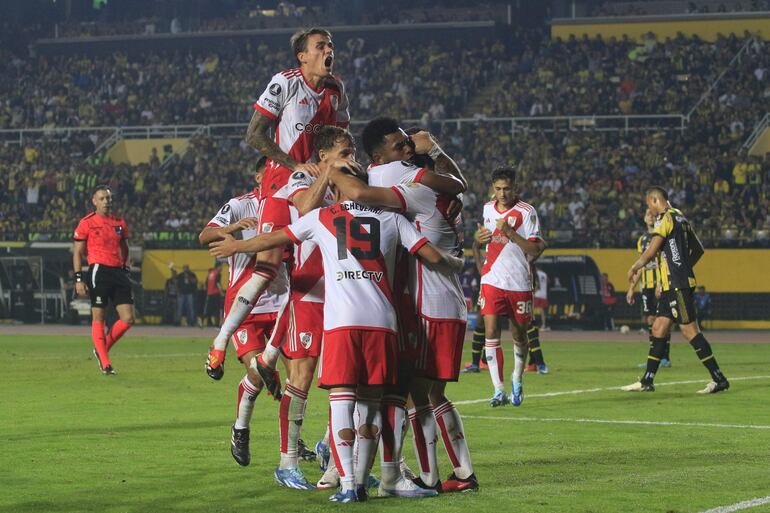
(258, 137)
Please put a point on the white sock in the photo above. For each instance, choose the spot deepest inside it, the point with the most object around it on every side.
(369, 428)
(342, 435)
(393, 418)
(248, 293)
(424, 438)
(452, 432)
(519, 359)
(494, 356)
(247, 396)
(292, 411)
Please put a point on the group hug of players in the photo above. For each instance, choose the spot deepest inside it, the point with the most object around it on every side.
(353, 274)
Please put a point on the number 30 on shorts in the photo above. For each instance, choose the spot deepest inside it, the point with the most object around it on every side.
(523, 307)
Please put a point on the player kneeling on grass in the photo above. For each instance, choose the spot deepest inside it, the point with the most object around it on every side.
(511, 232)
(359, 357)
(239, 217)
(681, 249)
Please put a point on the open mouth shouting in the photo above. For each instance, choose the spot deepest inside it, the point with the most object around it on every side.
(329, 62)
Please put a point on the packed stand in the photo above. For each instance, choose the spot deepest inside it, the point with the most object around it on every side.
(658, 7)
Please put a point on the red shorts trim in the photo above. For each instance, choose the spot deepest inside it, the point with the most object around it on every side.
(440, 344)
(253, 333)
(305, 330)
(516, 305)
(353, 357)
(539, 302)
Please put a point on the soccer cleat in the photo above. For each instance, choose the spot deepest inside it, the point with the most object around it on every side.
(340, 496)
(270, 377)
(530, 368)
(372, 482)
(103, 369)
(499, 399)
(483, 365)
(542, 369)
(455, 484)
(292, 478)
(421, 484)
(405, 488)
(239, 446)
(323, 453)
(305, 454)
(665, 363)
(714, 387)
(362, 493)
(471, 367)
(330, 479)
(108, 371)
(638, 387)
(405, 470)
(215, 364)
(517, 393)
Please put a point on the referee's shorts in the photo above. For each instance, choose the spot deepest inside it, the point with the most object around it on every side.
(108, 285)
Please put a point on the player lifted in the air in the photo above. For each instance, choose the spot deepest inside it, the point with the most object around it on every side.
(358, 245)
(296, 104)
(511, 232)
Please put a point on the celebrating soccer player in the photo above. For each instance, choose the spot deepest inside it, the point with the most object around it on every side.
(239, 216)
(104, 238)
(358, 246)
(296, 104)
(680, 250)
(511, 232)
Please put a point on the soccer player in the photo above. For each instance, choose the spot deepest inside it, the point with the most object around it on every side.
(648, 277)
(540, 293)
(358, 245)
(104, 238)
(302, 344)
(238, 217)
(296, 104)
(681, 249)
(439, 300)
(511, 232)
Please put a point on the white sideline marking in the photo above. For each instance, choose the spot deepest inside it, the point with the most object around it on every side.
(740, 505)
(89, 355)
(605, 389)
(629, 422)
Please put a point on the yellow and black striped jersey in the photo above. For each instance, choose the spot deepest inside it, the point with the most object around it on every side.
(675, 269)
(650, 273)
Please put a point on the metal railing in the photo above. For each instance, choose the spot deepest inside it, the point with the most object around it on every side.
(760, 127)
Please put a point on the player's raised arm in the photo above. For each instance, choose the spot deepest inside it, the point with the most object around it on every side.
(425, 144)
(229, 246)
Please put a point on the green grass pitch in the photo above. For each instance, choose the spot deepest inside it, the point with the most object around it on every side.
(155, 437)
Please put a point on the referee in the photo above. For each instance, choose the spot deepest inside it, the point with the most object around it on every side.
(680, 249)
(104, 239)
(649, 277)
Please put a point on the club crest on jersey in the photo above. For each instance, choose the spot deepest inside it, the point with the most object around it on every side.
(306, 339)
(267, 227)
(275, 89)
(242, 336)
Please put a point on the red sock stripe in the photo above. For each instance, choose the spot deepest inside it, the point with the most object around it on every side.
(419, 440)
(342, 397)
(388, 411)
(394, 401)
(296, 392)
(265, 271)
(333, 446)
(499, 354)
(447, 442)
(283, 422)
(443, 408)
(246, 384)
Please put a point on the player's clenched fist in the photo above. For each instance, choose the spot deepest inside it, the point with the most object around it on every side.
(423, 142)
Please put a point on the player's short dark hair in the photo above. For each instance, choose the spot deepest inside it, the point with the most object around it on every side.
(299, 39)
(374, 133)
(504, 173)
(328, 136)
(101, 187)
(260, 165)
(657, 190)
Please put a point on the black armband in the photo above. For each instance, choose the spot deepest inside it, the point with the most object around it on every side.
(79, 276)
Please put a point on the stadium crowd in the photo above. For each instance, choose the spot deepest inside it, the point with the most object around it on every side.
(585, 182)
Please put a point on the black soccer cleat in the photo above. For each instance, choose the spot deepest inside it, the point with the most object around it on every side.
(215, 364)
(437, 487)
(270, 377)
(305, 454)
(239, 446)
(108, 371)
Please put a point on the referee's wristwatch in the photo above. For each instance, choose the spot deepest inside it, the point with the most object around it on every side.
(79, 276)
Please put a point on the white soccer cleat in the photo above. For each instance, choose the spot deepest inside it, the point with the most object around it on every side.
(714, 387)
(406, 471)
(638, 387)
(405, 488)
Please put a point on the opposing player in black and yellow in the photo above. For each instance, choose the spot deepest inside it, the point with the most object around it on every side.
(649, 279)
(680, 250)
